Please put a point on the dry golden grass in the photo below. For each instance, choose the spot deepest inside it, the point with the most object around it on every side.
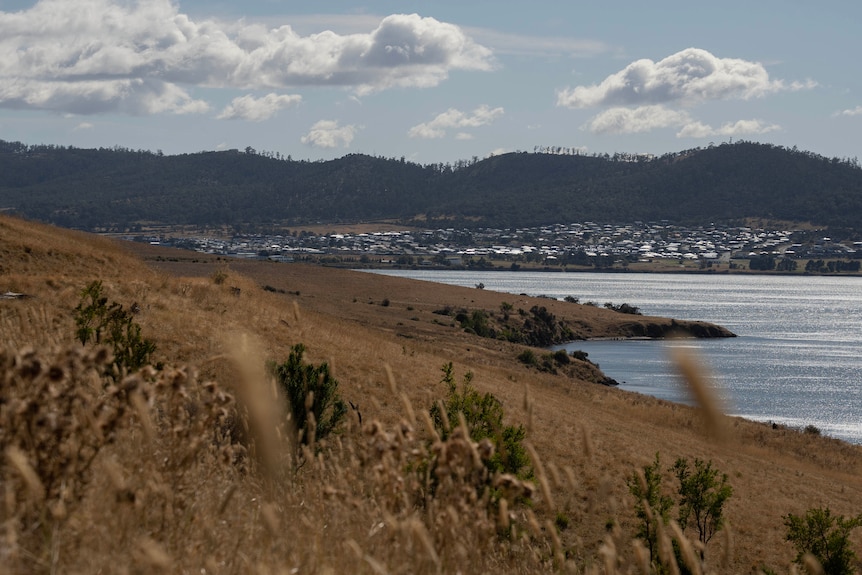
(166, 491)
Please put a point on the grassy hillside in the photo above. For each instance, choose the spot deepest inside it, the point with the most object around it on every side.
(191, 467)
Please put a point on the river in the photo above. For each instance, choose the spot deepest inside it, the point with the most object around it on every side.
(797, 360)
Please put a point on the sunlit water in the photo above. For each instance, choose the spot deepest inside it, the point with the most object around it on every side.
(797, 360)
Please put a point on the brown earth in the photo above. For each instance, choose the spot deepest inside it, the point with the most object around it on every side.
(593, 435)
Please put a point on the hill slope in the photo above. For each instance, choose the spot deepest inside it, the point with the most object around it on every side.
(169, 508)
(120, 188)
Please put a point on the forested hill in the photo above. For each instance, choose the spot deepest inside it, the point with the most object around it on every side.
(89, 188)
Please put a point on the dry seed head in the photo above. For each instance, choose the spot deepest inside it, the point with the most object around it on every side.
(533, 524)
(540, 474)
(642, 557)
(555, 475)
(812, 565)
(424, 537)
(694, 373)
(608, 551)
(154, 554)
(142, 410)
(19, 461)
(665, 549)
(390, 379)
(226, 499)
(354, 548)
(408, 409)
(269, 515)
(114, 473)
(429, 426)
(559, 556)
(570, 475)
(728, 546)
(587, 441)
(688, 553)
(444, 417)
(503, 520)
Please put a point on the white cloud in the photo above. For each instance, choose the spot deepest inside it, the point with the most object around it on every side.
(648, 118)
(144, 57)
(463, 136)
(857, 111)
(257, 109)
(738, 128)
(638, 96)
(453, 118)
(636, 120)
(328, 134)
(690, 76)
(543, 46)
(83, 126)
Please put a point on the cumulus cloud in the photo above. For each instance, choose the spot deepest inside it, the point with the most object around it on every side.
(145, 57)
(857, 111)
(638, 98)
(648, 118)
(257, 109)
(690, 76)
(453, 118)
(328, 134)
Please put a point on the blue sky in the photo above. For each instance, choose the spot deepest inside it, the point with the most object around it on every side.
(431, 81)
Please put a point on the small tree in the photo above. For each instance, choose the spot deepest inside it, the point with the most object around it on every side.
(483, 414)
(312, 392)
(650, 505)
(702, 494)
(109, 324)
(825, 536)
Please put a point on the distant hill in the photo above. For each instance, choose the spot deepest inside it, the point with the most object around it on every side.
(119, 188)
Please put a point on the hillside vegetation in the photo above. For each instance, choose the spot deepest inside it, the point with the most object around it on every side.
(191, 465)
(121, 189)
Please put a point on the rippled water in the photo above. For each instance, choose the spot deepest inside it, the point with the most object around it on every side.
(797, 360)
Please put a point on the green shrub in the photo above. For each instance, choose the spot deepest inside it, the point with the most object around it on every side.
(103, 323)
(483, 414)
(703, 492)
(220, 276)
(528, 357)
(651, 506)
(826, 537)
(315, 406)
(581, 355)
(624, 308)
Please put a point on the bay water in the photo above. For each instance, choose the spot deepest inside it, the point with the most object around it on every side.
(797, 360)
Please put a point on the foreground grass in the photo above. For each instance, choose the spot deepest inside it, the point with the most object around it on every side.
(192, 467)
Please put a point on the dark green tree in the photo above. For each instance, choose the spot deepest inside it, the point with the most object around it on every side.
(316, 408)
(825, 536)
(103, 323)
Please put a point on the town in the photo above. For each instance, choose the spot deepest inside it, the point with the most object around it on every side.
(585, 244)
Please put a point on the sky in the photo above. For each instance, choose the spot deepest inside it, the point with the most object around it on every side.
(433, 82)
